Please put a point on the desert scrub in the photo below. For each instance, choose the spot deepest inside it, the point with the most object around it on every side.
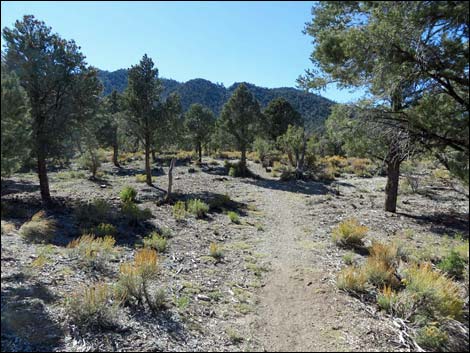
(93, 307)
(438, 295)
(389, 254)
(92, 213)
(40, 229)
(104, 229)
(179, 210)
(197, 208)
(352, 279)
(135, 277)
(215, 251)
(431, 337)
(93, 252)
(233, 216)
(348, 258)
(157, 242)
(349, 233)
(134, 214)
(128, 194)
(453, 264)
(142, 178)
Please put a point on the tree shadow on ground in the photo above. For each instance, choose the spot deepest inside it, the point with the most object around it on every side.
(15, 187)
(295, 186)
(218, 203)
(442, 223)
(26, 322)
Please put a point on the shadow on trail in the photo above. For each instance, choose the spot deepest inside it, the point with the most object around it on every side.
(295, 186)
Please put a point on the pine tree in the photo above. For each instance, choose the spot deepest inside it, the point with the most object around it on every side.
(241, 117)
(199, 123)
(57, 82)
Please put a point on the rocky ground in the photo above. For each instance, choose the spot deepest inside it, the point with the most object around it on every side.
(274, 289)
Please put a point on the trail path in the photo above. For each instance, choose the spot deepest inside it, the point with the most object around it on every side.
(300, 308)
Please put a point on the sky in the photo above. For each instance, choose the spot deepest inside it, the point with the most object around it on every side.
(224, 42)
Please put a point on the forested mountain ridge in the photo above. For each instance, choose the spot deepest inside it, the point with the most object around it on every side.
(311, 106)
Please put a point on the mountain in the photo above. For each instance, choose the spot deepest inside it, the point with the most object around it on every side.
(313, 108)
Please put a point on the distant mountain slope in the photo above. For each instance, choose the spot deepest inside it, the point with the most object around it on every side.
(313, 107)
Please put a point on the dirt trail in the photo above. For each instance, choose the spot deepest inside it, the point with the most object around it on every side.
(300, 308)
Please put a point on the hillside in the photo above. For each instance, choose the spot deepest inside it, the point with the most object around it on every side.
(312, 107)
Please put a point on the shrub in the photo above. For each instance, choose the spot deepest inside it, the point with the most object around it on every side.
(134, 279)
(134, 214)
(215, 251)
(104, 229)
(453, 264)
(39, 229)
(92, 213)
(349, 233)
(361, 167)
(348, 258)
(90, 308)
(140, 178)
(128, 194)
(91, 160)
(234, 218)
(93, 252)
(439, 296)
(288, 173)
(386, 299)
(198, 208)
(379, 273)
(431, 337)
(179, 210)
(157, 242)
(388, 254)
(352, 279)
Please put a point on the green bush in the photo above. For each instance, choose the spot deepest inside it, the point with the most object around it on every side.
(104, 229)
(198, 208)
(453, 264)
(92, 213)
(157, 242)
(179, 210)
(128, 194)
(134, 214)
(431, 337)
(234, 218)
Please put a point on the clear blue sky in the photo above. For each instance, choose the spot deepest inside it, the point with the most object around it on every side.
(257, 42)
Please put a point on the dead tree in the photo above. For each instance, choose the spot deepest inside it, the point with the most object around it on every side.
(170, 180)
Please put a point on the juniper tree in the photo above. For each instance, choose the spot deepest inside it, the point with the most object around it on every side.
(391, 45)
(279, 114)
(199, 123)
(54, 74)
(241, 117)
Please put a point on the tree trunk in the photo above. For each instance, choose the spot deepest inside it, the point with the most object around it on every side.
(243, 162)
(170, 180)
(299, 170)
(148, 172)
(42, 174)
(393, 178)
(154, 156)
(115, 155)
(199, 145)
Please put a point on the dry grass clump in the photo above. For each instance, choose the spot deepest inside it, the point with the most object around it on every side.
(156, 241)
(135, 277)
(215, 251)
(349, 233)
(93, 307)
(352, 279)
(93, 252)
(40, 229)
